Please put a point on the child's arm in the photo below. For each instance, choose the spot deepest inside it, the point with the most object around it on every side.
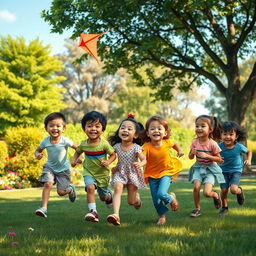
(216, 158)
(248, 161)
(75, 159)
(39, 153)
(192, 153)
(177, 148)
(111, 159)
(142, 162)
(79, 159)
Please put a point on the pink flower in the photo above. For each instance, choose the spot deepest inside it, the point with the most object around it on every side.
(12, 234)
(15, 243)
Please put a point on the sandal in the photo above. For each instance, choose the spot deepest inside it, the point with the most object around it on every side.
(174, 203)
(217, 202)
(113, 219)
(195, 213)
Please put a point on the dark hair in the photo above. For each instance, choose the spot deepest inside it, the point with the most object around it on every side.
(214, 124)
(233, 126)
(53, 116)
(92, 117)
(162, 121)
(114, 139)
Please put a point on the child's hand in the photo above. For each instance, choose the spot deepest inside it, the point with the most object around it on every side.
(180, 153)
(247, 162)
(79, 160)
(39, 155)
(221, 160)
(105, 163)
(73, 163)
(137, 165)
(193, 151)
(114, 170)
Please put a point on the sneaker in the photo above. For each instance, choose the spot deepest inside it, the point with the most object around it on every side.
(92, 216)
(217, 202)
(72, 193)
(113, 219)
(109, 202)
(240, 197)
(223, 211)
(41, 212)
(195, 213)
(138, 203)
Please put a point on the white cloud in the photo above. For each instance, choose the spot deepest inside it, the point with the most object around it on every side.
(7, 16)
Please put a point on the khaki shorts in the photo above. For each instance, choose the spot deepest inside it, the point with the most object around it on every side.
(61, 179)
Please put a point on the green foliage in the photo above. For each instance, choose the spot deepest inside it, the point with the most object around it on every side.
(191, 40)
(252, 146)
(3, 154)
(27, 79)
(22, 139)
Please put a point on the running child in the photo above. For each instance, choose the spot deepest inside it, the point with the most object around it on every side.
(128, 172)
(161, 168)
(207, 152)
(57, 168)
(98, 155)
(232, 166)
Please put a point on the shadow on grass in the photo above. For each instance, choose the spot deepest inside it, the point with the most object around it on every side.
(65, 232)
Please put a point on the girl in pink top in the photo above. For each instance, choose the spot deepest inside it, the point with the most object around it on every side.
(207, 152)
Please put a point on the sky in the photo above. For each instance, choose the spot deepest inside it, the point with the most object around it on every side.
(22, 18)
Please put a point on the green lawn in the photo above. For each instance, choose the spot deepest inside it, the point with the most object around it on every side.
(65, 232)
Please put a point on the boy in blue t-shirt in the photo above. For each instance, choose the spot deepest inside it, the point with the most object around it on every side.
(232, 165)
(56, 169)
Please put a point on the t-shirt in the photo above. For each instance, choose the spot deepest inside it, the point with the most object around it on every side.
(233, 158)
(94, 154)
(210, 148)
(159, 161)
(57, 153)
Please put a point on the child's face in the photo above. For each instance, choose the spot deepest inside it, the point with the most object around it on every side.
(93, 129)
(202, 128)
(127, 131)
(229, 137)
(55, 127)
(156, 131)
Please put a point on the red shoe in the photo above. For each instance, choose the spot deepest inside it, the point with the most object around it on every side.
(92, 216)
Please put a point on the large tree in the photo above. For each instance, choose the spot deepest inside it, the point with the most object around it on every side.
(200, 39)
(27, 82)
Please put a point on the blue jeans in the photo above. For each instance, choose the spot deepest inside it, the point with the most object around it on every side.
(159, 192)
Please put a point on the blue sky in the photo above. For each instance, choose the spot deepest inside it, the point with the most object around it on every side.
(22, 18)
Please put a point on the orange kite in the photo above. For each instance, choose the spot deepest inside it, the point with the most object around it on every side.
(89, 43)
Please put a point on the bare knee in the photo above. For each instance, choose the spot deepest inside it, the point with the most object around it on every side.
(61, 192)
(48, 185)
(234, 190)
(207, 194)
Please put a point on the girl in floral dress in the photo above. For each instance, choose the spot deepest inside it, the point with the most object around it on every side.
(128, 172)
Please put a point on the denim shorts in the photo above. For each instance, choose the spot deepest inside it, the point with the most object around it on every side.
(208, 177)
(102, 191)
(231, 178)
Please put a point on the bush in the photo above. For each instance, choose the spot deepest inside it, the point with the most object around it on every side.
(19, 139)
(3, 154)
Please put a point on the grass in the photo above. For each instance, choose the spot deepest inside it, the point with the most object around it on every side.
(65, 232)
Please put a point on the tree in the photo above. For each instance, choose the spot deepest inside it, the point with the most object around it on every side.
(27, 91)
(200, 39)
(86, 85)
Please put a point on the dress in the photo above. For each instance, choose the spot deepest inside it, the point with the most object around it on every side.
(127, 173)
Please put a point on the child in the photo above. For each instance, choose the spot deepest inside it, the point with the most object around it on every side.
(95, 165)
(207, 153)
(56, 169)
(161, 168)
(128, 171)
(232, 162)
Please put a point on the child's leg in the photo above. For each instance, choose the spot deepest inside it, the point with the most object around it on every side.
(118, 187)
(224, 197)
(208, 192)
(46, 193)
(196, 193)
(132, 194)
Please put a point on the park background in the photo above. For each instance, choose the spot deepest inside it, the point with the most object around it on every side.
(42, 69)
